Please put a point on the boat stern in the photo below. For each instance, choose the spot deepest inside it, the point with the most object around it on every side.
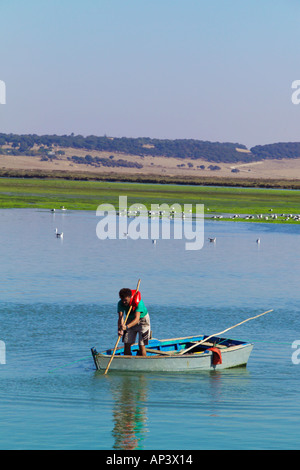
(94, 354)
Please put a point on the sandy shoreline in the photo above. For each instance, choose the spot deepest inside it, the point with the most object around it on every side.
(286, 169)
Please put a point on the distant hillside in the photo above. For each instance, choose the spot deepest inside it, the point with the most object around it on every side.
(277, 151)
(48, 146)
(33, 145)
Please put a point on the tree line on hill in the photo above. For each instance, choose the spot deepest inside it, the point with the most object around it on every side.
(277, 151)
(101, 161)
(217, 152)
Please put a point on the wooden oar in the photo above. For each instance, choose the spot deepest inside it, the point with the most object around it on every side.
(221, 332)
(120, 336)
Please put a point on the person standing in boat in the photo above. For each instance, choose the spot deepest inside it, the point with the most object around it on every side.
(138, 321)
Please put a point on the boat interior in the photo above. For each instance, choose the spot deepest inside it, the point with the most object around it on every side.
(179, 345)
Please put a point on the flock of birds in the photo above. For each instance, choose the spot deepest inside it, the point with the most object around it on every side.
(213, 240)
(286, 217)
(140, 210)
(61, 234)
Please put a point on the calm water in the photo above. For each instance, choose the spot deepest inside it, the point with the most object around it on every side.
(58, 299)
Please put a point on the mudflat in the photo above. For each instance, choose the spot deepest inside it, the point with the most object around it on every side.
(283, 169)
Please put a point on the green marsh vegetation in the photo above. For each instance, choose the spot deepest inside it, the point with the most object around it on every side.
(87, 195)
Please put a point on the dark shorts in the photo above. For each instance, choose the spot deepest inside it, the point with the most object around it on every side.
(142, 329)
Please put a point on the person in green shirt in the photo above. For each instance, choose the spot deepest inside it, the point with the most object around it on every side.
(138, 323)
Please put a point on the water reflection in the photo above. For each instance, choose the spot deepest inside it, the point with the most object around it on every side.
(221, 384)
(129, 411)
(133, 395)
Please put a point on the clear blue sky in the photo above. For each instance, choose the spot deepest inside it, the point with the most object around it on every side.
(218, 70)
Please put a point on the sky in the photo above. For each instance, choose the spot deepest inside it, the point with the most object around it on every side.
(217, 70)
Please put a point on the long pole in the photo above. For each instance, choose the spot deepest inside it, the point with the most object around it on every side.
(120, 336)
(221, 332)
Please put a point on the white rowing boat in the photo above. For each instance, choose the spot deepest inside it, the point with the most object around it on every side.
(191, 353)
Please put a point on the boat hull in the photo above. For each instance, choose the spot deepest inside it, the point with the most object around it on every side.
(234, 356)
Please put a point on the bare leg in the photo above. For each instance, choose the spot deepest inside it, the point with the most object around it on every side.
(143, 351)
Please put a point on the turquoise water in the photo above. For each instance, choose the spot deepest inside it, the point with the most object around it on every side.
(58, 299)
